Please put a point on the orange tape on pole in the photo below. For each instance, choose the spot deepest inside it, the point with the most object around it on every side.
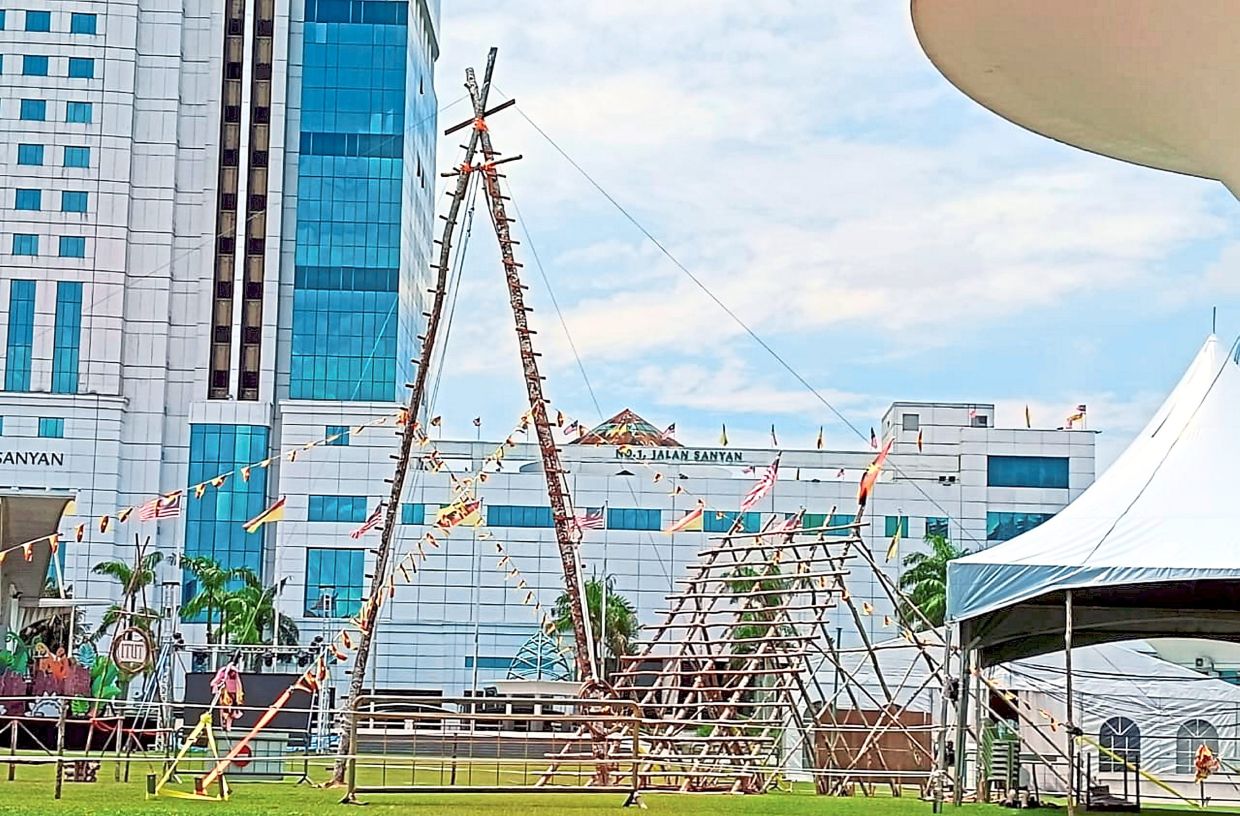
(262, 723)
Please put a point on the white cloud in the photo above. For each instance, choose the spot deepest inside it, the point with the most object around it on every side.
(731, 387)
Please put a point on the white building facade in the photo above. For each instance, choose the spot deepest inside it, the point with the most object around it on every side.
(461, 622)
(216, 228)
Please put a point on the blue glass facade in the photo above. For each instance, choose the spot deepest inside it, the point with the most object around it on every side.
(511, 515)
(333, 582)
(938, 526)
(213, 523)
(20, 341)
(51, 427)
(337, 508)
(347, 277)
(718, 521)
(1027, 471)
(634, 518)
(1001, 526)
(412, 513)
(66, 344)
(893, 523)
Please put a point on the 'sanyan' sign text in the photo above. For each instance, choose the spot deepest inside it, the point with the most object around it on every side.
(32, 458)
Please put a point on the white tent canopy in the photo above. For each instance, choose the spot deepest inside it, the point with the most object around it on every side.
(1152, 549)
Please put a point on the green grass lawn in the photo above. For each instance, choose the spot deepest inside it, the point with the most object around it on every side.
(32, 793)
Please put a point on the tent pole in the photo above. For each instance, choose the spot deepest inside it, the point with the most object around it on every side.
(941, 753)
(962, 725)
(1071, 724)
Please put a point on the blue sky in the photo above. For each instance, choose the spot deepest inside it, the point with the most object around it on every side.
(887, 236)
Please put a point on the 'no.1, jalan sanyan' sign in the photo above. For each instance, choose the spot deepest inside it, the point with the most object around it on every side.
(32, 458)
(700, 455)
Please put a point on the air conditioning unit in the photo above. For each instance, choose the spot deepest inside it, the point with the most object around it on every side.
(1203, 664)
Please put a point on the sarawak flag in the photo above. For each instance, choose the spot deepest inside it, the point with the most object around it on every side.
(273, 513)
(873, 438)
(819, 437)
(723, 436)
(457, 513)
(920, 441)
(691, 521)
(871, 474)
(894, 547)
(1028, 418)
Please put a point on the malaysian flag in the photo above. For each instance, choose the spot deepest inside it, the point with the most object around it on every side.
(591, 519)
(763, 486)
(371, 522)
(168, 506)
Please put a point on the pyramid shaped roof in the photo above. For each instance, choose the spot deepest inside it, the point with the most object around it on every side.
(1151, 549)
(627, 428)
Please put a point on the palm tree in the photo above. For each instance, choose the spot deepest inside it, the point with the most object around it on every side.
(924, 582)
(251, 614)
(132, 583)
(758, 622)
(622, 625)
(214, 585)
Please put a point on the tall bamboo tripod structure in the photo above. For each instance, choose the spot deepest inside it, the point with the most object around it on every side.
(566, 533)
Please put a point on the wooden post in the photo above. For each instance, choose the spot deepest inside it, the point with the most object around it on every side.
(943, 711)
(120, 731)
(962, 727)
(60, 747)
(980, 786)
(12, 747)
(1071, 725)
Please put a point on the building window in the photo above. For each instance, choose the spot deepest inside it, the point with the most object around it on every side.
(841, 520)
(811, 521)
(1004, 526)
(1, 19)
(51, 427)
(634, 518)
(81, 23)
(341, 432)
(1191, 735)
(20, 341)
(81, 68)
(67, 339)
(938, 526)
(893, 523)
(1027, 471)
(77, 157)
(1, 418)
(412, 513)
(31, 154)
(510, 515)
(337, 508)
(34, 65)
(334, 582)
(213, 524)
(28, 200)
(34, 110)
(24, 244)
(79, 113)
(39, 21)
(1122, 737)
(912, 422)
(72, 246)
(73, 201)
(721, 521)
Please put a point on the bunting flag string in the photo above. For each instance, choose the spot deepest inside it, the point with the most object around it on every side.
(124, 515)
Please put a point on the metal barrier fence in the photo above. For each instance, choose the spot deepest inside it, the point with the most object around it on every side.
(494, 745)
